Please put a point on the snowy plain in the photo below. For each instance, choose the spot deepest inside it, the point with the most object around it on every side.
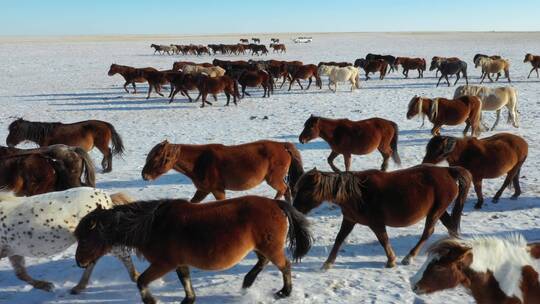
(66, 80)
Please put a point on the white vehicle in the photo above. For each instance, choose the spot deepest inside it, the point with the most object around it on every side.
(302, 40)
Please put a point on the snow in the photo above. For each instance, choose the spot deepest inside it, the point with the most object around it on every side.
(66, 80)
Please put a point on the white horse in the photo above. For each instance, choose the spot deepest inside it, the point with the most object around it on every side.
(43, 225)
(210, 71)
(340, 74)
(494, 99)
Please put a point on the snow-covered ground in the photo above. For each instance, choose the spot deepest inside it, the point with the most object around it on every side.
(55, 80)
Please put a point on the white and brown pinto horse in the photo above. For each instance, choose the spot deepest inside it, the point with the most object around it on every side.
(340, 74)
(492, 269)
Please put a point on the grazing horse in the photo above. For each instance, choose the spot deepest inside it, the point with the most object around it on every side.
(378, 199)
(279, 47)
(85, 134)
(75, 162)
(354, 137)
(492, 66)
(391, 60)
(436, 63)
(131, 75)
(214, 85)
(306, 71)
(452, 68)
(452, 112)
(494, 99)
(372, 66)
(256, 79)
(215, 168)
(488, 157)
(42, 226)
(492, 269)
(418, 64)
(337, 74)
(175, 234)
(535, 62)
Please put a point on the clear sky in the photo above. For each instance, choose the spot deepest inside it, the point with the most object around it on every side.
(105, 17)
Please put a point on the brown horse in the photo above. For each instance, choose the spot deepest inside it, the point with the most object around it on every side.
(307, 71)
(488, 157)
(372, 66)
(256, 79)
(535, 62)
(131, 75)
(215, 168)
(155, 79)
(85, 134)
(492, 270)
(418, 64)
(354, 137)
(182, 82)
(378, 199)
(452, 112)
(212, 236)
(436, 63)
(278, 47)
(214, 85)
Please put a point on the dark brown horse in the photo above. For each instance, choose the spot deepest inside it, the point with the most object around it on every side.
(215, 168)
(155, 79)
(436, 63)
(453, 68)
(407, 64)
(85, 134)
(452, 112)
(354, 137)
(372, 66)
(488, 157)
(256, 79)
(378, 199)
(182, 82)
(131, 75)
(175, 234)
(535, 62)
(214, 85)
(307, 71)
(278, 47)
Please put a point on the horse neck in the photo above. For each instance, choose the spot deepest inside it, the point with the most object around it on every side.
(454, 157)
(185, 158)
(426, 106)
(483, 287)
(326, 128)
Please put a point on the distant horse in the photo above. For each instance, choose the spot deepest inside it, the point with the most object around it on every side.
(372, 66)
(436, 63)
(354, 137)
(535, 62)
(179, 65)
(278, 47)
(488, 157)
(452, 112)
(337, 74)
(42, 226)
(391, 60)
(274, 40)
(494, 99)
(256, 40)
(214, 85)
(259, 48)
(256, 79)
(418, 64)
(308, 71)
(130, 74)
(242, 40)
(212, 236)
(333, 63)
(492, 66)
(452, 68)
(378, 199)
(213, 71)
(215, 168)
(491, 269)
(85, 134)
(162, 49)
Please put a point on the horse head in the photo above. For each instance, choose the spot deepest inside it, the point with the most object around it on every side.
(439, 148)
(311, 130)
(90, 234)
(16, 132)
(160, 160)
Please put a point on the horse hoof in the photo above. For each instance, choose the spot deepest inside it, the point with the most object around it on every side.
(494, 200)
(151, 300)
(326, 266)
(76, 290)
(514, 197)
(390, 264)
(407, 260)
(282, 294)
(188, 301)
(44, 285)
(478, 206)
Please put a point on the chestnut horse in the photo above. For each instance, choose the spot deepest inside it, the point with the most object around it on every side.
(85, 134)
(492, 269)
(535, 62)
(372, 66)
(182, 82)
(488, 157)
(256, 79)
(131, 75)
(174, 235)
(378, 199)
(354, 137)
(452, 112)
(214, 85)
(307, 71)
(418, 64)
(215, 168)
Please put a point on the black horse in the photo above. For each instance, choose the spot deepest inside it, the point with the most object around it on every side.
(453, 68)
(388, 58)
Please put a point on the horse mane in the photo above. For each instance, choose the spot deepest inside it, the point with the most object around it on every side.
(33, 130)
(338, 187)
(434, 109)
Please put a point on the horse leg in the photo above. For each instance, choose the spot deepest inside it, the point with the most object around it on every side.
(536, 69)
(497, 119)
(127, 91)
(382, 236)
(276, 180)
(345, 229)
(153, 272)
(125, 258)
(228, 98)
(429, 227)
(491, 79)
(173, 93)
(309, 83)
(199, 196)
(467, 126)
(134, 88)
(447, 221)
(531, 72)
(254, 272)
(290, 83)
(482, 78)
(478, 189)
(507, 180)
(507, 74)
(282, 263)
(457, 79)
(438, 82)
(185, 279)
(219, 194)
(150, 86)
(244, 91)
(17, 262)
(517, 187)
(385, 152)
(330, 160)
(158, 89)
(83, 282)
(106, 162)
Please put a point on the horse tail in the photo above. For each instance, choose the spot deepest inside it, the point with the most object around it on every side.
(464, 179)
(434, 109)
(270, 82)
(296, 168)
(394, 144)
(318, 80)
(300, 238)
(423, 64)
(117, 144)
(513, 113)
(476, 115)
(89, 168)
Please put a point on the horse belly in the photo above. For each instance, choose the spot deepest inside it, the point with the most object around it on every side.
(244, 175)
(221, 256)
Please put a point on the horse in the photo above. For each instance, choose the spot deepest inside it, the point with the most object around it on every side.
(74, 160)
(214, 85)
(535, 62)
(256, 48)
(378, 199)
(274, 40)
(243, 40)
(155, 79)
(278, 47)
(256, 40)
(490, 66)
(436, 62)
(179, 65)
(333, 63)
(452, 112)
(182, 82)
(418, 64)
(491, 269)
(131, 75)
(494, 99)
(256, 79)
(85, 134)
(388, 58)
(42, 226)
(372, 66)
(212, 236)
(336, 74)
(214, 168)
(162, 49)
(354, 137)
(448, 67)
(306, 71)
(214, 71)
(489, 157)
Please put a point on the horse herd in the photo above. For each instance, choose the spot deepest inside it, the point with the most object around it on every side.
(223, 49)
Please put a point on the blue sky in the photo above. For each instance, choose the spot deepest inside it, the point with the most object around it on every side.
(105, 17)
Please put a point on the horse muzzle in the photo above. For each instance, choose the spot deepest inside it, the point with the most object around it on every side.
(147, 177)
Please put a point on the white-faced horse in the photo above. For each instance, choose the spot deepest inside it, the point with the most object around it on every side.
(43, 225)
(494, 99)
(340, 74)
